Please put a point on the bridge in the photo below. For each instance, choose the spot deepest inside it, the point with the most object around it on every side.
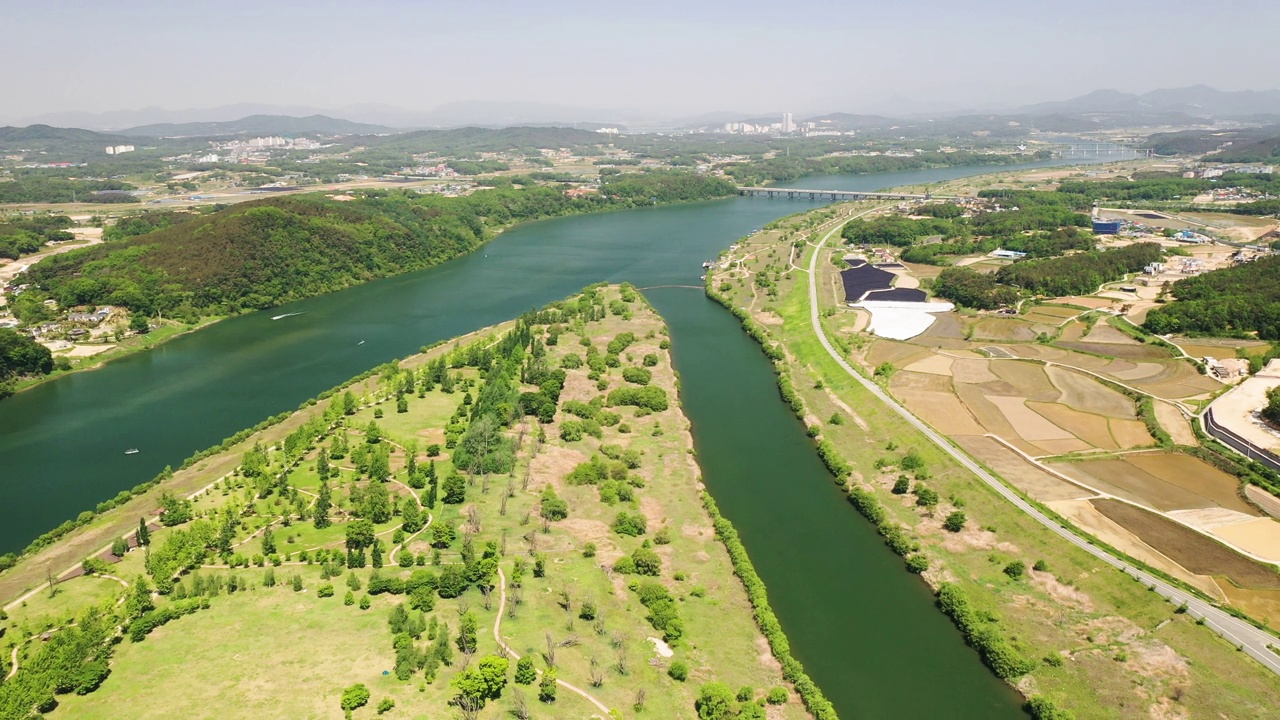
(800, 194)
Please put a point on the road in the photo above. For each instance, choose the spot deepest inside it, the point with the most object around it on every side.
(1248, 638)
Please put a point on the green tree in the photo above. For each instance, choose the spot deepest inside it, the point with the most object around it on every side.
(467, 632)
(119, 547)
(139, 601)
(143, 536)
(359, 534)
(525, 672)
(483, 682)
(138, 323)
(320, 513)
(955, 521)
(715, 702)
(268, 542)
(455, 489)
(354, 697)
(547, 688)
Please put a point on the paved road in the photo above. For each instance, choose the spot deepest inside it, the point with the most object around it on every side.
(1248, 638)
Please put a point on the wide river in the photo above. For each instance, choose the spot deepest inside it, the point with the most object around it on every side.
(865, 629)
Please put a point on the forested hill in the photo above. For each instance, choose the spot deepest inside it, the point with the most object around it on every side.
(264, 253)
(1233, 301)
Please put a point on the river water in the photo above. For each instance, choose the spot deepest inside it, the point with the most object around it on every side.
(865, 629)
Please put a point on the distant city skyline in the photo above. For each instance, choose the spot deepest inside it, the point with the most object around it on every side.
(663, 60)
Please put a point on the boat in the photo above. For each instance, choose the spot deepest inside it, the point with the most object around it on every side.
(281, 317)
(131, 451)
(360, 343)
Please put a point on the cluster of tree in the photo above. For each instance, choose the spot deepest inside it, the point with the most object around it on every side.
(23, 236)
(970, 288)
(477, 167)
(1166, 186)
(666, 186)
(32, 186)
(982, 634)
(74, 659)
(264, 253)
(785, 168)
(1233, 301)
(20, 356)
(1081, 273)
(143, 223)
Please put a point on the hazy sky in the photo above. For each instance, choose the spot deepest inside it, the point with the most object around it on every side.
(655, 56)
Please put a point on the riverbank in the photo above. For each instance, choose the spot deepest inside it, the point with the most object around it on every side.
(615, 658)
(1108, 642)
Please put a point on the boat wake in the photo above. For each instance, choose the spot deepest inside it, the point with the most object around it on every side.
(281, 317)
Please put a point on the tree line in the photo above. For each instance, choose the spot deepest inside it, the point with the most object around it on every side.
(1234, 301)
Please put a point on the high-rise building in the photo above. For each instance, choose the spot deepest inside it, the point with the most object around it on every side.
(788, 126)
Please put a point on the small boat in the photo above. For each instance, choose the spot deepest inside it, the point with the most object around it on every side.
(360, 343)
(281, 317)
(131, 451)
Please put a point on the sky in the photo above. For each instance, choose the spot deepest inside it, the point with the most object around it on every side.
(653, 58)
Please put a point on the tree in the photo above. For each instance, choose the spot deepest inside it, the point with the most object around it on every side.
(955, 521)
(119, 547)
(553, 507)
(322, 464)
(467, 633)
(483, 682)
(268, 542)
(372, 433)
(678, 671)
(359, 534)
(320, 513)
(525, 673)
(412, 517)
(375, 555)
(455, 489)
(715, 702)
(1015, 569)
(143, 536)
(547, 688)
(433, 484)
(647, 562)
(138, 323)
(139, 602)
(354, 697)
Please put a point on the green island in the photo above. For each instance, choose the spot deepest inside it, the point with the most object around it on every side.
(510, 522)
(1075, 637)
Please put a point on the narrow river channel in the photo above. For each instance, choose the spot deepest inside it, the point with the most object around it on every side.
(865, 628)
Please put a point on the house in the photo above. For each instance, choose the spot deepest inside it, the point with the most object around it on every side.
(1007, 254)
(1107, 227)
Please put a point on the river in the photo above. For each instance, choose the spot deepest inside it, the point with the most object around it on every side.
(865, 629)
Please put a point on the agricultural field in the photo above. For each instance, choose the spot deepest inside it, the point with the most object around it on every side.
(528, 494)
(1097, 643)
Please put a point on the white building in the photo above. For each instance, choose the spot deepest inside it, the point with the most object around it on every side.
(788, 125)
(119, 149)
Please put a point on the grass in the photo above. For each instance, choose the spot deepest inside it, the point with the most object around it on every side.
(1050, 613)
(270, 651)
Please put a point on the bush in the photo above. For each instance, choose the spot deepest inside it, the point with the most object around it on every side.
(1042, 708)
(385, 705)
(637, 376)
(354, 697)
(678, 671)
(1015, 569)
(649, 397)
(777, 695)
(1040, 566)
(902, 485)
(955, 521)
(325, 591)
(917, 563)
(629, 525)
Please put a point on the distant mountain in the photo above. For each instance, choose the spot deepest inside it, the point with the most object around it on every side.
(260, 125)
(1197, 101)
(119, 119)
(43, 138)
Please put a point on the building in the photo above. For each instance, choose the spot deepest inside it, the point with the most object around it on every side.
(788, 125)
(1007, 254)
(119, 149)
(1107, 227)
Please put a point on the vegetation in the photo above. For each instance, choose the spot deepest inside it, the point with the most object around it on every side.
(1233, 302)
(24, 236)
(20, 356)
(785, 168)
(268, 252)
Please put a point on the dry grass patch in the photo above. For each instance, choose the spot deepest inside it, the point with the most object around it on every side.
(1028, 378)
(942, 410)
(1088, 395)
(1024, 475)
(1090, 428)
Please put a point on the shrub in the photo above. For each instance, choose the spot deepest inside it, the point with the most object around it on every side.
(629, 525)
(1042, 708)
(589, 550)
(650, 360)
(325, 591)
(637, 375)
(902, 485)
(917, 563)
(678, 671)
(1015, 569)
(777, 695)
(926, 496)
(385, 705)
(955, 521)
(649, 397)
(354, 697)
(1040, 566)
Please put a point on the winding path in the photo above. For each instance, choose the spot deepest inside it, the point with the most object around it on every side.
(497, 636)
(1249, 639)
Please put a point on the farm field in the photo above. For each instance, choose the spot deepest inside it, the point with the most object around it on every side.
(541, 543)
(1007, 413)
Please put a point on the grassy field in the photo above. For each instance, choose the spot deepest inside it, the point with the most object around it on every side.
(278, 647)
(1104, 646)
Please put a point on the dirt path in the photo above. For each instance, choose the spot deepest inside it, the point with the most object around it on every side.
(497, 636)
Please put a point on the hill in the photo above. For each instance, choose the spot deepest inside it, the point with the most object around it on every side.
(259, 125)
(44, 138)
(460, 141)
(264, 253)
(1197, 101)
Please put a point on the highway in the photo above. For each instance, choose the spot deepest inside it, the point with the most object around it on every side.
(1248, 638)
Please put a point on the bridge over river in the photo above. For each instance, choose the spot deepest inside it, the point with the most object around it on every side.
(803, 194)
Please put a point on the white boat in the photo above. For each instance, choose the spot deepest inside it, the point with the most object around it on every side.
(360, 343)
(131, 451)
(281, 317)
